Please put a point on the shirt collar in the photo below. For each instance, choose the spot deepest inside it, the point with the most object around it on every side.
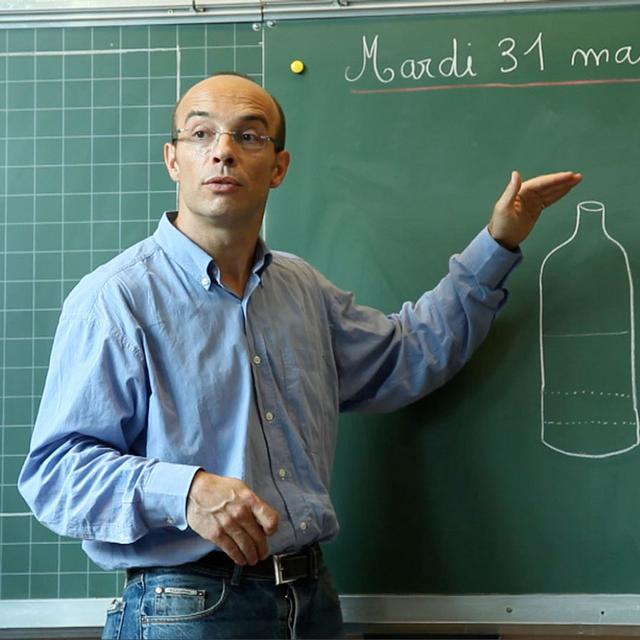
(192, 258)
(263, 258)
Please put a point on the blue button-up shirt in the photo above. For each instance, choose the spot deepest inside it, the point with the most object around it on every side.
(158, 370)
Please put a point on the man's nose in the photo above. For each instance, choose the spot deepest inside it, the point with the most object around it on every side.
(223, 149)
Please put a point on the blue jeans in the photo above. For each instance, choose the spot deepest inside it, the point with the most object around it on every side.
(201, 604)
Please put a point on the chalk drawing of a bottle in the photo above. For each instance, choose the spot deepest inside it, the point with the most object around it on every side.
(587, 343)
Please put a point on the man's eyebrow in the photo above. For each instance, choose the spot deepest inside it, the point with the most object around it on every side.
(249, 117)
(194, 113)
(257, 117)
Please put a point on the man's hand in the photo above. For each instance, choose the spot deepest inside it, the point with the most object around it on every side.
(521, 204)
(226, 512)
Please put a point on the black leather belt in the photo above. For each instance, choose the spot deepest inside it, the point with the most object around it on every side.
(281, 568)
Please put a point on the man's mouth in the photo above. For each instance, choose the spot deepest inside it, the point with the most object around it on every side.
(222, 184)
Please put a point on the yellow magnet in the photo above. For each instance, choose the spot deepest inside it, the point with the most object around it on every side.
(297, 66)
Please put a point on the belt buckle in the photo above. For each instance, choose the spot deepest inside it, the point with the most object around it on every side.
(279, 570)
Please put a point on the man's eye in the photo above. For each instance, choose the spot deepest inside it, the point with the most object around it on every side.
(249, 136)
(201, 134)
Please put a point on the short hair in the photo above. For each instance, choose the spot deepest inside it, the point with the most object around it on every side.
(281, 130)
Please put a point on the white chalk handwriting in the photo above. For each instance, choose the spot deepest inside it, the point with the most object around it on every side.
(458, 60)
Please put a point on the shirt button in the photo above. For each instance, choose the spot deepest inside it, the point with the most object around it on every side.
(269, 416)
(159, 590)
(282, 473)
(205, 282)
(170, 521)
(257, 360)
(303, 526)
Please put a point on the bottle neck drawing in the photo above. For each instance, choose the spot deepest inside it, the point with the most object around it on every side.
(590, 219)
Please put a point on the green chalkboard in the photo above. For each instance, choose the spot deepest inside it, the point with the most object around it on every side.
(403, 133)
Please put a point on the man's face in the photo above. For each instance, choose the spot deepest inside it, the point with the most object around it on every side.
(225, 184)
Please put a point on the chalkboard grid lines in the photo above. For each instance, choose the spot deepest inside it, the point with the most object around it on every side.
(84, 114)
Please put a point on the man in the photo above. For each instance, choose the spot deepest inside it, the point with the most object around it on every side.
(188, 423)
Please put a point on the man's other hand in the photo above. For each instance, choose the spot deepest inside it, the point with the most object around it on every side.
(226, 512)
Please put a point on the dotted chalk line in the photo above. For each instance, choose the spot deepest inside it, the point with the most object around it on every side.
(604, 423)
(589, 392)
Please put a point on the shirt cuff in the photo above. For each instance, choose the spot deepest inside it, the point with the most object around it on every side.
(489, 260)
(165, 494)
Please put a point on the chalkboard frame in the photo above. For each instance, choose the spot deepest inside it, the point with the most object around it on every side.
(263, 13)
(558, 615)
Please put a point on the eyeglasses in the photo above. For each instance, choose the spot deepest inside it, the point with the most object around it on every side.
(204, 138)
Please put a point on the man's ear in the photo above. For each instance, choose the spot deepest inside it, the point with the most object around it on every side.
(171, 161)
(283, 158)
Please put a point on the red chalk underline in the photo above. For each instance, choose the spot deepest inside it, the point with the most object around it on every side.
(499, 85)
